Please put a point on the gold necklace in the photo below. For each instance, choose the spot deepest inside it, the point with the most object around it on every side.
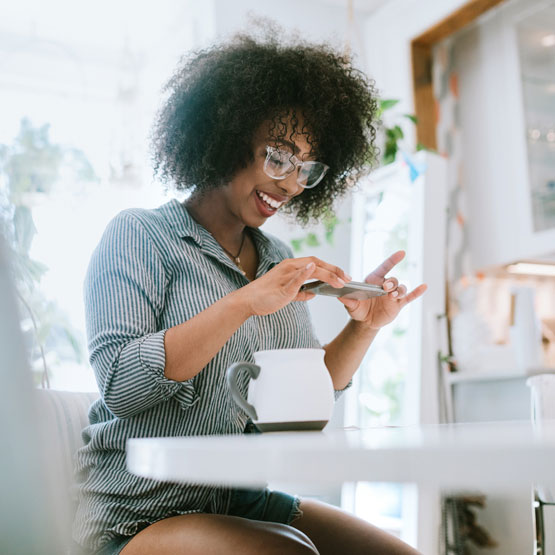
(235, 257)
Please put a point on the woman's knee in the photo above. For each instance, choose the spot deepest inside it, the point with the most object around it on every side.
(286, 539)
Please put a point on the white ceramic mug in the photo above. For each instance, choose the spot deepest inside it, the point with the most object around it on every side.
(290, 389)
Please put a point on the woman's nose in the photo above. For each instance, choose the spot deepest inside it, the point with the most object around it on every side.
(289, 185)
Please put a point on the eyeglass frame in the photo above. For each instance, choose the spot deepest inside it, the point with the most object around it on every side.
(296, 163)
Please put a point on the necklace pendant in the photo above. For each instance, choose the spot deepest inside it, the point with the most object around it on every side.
(238, 264)
(236, 258)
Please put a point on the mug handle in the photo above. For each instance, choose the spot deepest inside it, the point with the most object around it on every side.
(231, 375)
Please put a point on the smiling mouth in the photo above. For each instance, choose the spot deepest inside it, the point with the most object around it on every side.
(272, 203)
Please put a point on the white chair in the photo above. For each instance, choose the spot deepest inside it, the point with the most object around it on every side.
(542, 389)
(63, 415)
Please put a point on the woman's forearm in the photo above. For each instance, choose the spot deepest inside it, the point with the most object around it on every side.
(345, 353)
(190, 346)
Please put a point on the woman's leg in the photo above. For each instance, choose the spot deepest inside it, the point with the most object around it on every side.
(207, 534)
(334, 531)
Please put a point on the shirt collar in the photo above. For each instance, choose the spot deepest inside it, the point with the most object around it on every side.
(182, 221)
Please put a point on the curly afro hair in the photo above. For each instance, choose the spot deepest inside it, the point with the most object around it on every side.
(219, 97)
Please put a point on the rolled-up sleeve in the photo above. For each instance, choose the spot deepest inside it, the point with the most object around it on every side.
(338, 392)
(124, 296)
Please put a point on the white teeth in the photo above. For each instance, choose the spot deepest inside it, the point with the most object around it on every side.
(269, 200)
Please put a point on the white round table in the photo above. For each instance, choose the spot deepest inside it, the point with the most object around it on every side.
(504, 455)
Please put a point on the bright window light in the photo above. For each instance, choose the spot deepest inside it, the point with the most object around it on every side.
(85, 101)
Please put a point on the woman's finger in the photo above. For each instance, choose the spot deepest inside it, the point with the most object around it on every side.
(390, 284)
(304, 296)
(329, 277)
(300, 276)
(401, 292)
(386, 266)
(414, 294)
(324, 266)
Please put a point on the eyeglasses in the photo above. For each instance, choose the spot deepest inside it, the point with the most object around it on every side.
(281, 163)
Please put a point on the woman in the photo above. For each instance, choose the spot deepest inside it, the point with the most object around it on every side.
(176, 294)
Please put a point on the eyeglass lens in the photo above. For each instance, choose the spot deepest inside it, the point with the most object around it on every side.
(279, 164)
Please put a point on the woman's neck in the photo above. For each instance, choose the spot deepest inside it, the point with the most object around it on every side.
(212, 213)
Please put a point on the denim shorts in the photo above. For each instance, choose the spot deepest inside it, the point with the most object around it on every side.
(265, 505)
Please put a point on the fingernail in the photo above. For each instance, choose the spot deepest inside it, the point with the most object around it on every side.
(341, 281)
(388, 285)
(310, 265)
(394, 294)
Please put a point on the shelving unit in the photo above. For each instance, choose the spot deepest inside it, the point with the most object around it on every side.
(498, 395)
(460, 377)
(537, 68)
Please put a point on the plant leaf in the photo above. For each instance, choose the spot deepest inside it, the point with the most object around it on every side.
(390, 151)
(330, 223)
(421, 146)
(297, 244)
(386, 104)
(398, 132)
(312, 240)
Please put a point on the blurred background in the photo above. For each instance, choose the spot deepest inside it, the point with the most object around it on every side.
(465, 183)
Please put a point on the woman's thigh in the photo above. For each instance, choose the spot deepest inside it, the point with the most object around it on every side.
(335, 531)
(206, 534)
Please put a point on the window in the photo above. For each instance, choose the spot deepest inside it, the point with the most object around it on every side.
(76, 107)
(383, 220)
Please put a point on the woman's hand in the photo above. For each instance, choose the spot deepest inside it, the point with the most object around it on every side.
(376, 312)
(281, 284)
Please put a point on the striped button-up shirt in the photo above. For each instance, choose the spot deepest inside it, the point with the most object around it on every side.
(152, 270)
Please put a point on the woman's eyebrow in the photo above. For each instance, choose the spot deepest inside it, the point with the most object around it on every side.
(293, 146)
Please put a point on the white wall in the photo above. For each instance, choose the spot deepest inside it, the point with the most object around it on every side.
(387, 37)
(313, 20)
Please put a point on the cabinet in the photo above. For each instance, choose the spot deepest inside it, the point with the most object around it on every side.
(535, 33)
(506, 68)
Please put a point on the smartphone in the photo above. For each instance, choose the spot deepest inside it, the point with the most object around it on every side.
(353, 290)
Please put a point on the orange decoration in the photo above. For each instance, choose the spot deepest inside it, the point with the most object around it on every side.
(454, 84)
(460, 219)
(480, 276)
